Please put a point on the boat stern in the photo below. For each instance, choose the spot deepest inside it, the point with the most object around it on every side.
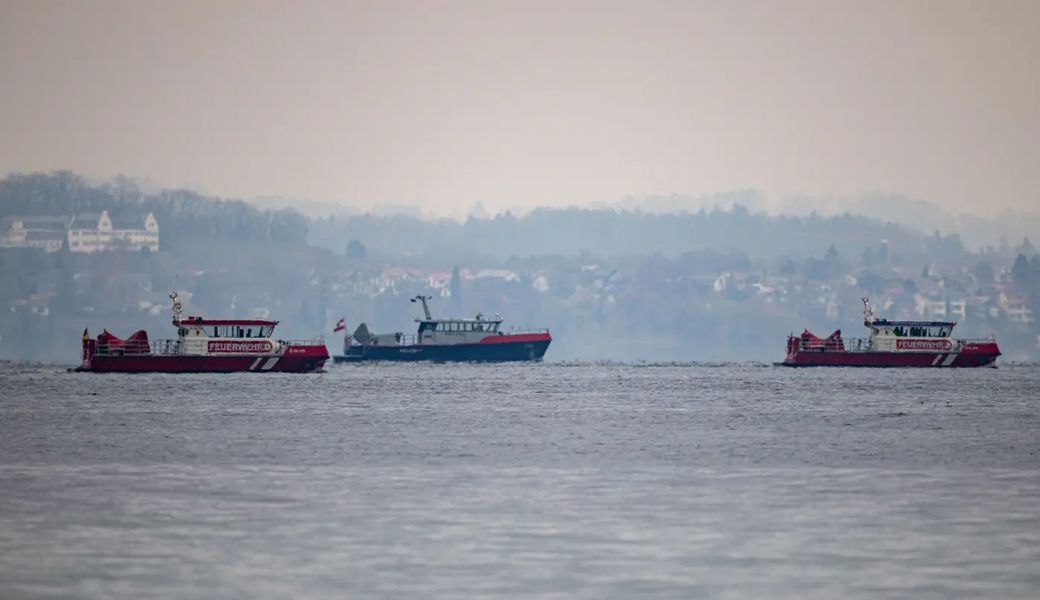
(978, 353)
(303, 357)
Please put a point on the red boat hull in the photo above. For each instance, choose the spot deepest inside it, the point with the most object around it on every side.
(971, 355)
(296, 359)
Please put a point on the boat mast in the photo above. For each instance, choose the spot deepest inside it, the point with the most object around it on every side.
(868, 313)
(425, 307)
(176, 309)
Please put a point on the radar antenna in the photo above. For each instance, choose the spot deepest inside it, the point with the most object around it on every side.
(425, 307)
(868, 313)
(176, 309)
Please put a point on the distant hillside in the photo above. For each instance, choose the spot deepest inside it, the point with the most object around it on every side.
(607, 232)
(184, 216)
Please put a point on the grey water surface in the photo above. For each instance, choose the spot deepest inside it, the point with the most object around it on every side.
(526, 480)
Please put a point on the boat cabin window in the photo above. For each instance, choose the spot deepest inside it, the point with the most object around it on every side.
(924, 331)
(239, 331)
(460, 326)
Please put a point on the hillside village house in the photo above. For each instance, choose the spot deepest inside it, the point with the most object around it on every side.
(1016, 308)
(46, 233)
(97, 232)
(85, 233)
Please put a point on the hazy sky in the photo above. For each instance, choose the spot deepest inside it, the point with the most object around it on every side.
(444, 104)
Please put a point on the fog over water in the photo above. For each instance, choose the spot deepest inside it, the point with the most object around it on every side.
(723, 284)
(526, 104)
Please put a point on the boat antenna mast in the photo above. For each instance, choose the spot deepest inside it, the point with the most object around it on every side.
(176, 309)
(868, 313)
(425, 307)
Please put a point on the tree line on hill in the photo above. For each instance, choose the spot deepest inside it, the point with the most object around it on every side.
(184, 216)
(613, 233)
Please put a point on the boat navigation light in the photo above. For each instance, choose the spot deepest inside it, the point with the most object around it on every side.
(425, 307)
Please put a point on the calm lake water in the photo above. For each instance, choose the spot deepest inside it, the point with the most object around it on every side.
(532, 480)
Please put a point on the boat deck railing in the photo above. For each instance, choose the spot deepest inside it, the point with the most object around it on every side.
(411, 339)
(395, 339)
(138, 348)
(839, 345)
(314, 341)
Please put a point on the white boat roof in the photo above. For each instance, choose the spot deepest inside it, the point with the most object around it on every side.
(450, 320)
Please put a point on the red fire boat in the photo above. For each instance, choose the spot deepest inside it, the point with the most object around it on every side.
(891, 344)
(204, 346)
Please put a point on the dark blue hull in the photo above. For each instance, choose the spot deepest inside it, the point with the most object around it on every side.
(512, 351)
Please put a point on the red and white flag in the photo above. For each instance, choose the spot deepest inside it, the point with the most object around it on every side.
(340, 325)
